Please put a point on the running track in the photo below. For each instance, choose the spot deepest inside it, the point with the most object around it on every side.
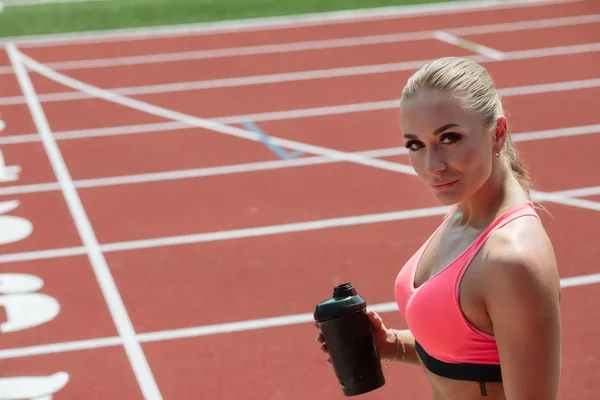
(186, 261)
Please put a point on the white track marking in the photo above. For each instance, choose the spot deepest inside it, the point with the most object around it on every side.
(43, 254)
(99, 132)
(105, 280)
(468, 45)
(60, 347)
(550, 87)
(322, 224)
(580, 280)
(208, 124)
(31, 188)
(299, 318)
(284, 115)
(242, 133)
(238, 326)
(277, 229)
(583, 192)
(565, 200)
(315, 44)
(260, 231)
(265, 165)
(302, 76)
(285, 22)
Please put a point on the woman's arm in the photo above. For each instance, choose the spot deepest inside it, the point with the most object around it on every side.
(522, 296)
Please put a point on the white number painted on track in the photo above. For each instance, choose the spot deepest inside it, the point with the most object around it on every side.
(24, 308)
(8, 173)
(13, 229)
(32, 387)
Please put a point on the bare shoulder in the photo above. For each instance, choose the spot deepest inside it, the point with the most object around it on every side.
(521, 291)
(520, 257)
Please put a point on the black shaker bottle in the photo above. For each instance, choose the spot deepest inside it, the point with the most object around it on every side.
(347, 332)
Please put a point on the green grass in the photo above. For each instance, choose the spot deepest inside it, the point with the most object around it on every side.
(112, 14)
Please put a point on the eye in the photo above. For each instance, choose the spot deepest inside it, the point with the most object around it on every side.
(413, 145)
(448, 138)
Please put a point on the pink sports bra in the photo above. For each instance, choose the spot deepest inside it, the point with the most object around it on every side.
(433, 312)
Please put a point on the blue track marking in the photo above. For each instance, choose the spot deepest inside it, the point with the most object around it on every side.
(282, 153)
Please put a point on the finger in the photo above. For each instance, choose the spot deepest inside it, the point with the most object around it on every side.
(320, 338)
(374, 318)
(324, 349)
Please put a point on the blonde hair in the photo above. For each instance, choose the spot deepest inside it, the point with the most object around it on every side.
(472, 85)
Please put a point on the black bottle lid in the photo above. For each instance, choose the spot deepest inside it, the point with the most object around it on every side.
(345, 301)
(344, 290)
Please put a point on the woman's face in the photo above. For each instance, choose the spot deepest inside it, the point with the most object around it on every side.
(449, 147)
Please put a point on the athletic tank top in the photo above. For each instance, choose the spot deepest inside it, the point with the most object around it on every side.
(432, 311)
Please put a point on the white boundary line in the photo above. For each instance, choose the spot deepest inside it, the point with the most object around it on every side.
(300, 318)
(297, 76)
(300, 113)
(264, 165)
(107, 285)
(208, 124)
(271, 23)
(244, 133)
(468, 45)
(267, 230)
(238, 326)
(316, 44)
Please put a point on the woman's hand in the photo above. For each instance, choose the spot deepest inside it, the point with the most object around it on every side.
(321, 341)
(385, 339)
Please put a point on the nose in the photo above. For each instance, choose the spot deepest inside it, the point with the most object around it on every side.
(434, 162)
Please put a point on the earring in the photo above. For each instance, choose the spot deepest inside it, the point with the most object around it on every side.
(497, 154)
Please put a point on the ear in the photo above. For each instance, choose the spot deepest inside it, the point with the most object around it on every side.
(500, 132)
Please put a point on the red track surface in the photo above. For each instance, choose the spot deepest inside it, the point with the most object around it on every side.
(214, 281)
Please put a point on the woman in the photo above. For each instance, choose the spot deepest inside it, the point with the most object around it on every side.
(481, 296)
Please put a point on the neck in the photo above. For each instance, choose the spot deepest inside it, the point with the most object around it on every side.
(499, 193)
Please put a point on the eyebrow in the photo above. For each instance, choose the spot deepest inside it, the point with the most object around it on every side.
(435, 132)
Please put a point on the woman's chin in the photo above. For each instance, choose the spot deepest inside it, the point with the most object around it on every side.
(447, 199)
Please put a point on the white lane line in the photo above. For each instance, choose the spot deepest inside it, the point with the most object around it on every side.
(282, 22)
(565, 200)
(238, 326)
(277, 229)
(314, 44)
(287, 320)
(582, 280)
(266, 165)
(303, 113)
(31, 188)
(259, 231)
(242, 133)
(43, 254)
(299, 76)
(582, 192)
(322, 224)
(468, 45)
(208, 124)
(105, 280)
(60, 347)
